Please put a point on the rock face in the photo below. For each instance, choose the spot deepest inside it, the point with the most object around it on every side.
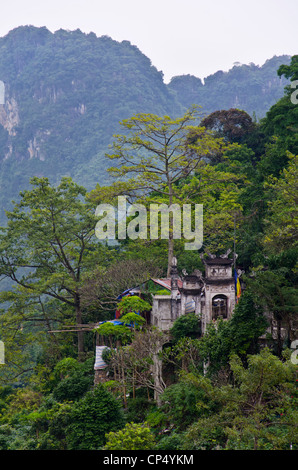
(9, 116)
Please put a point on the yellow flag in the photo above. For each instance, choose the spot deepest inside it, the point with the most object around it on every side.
(238, 293)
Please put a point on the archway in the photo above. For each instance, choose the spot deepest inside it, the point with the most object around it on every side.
(219, 307)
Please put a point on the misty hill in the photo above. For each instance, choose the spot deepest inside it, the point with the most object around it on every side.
(251, 88)
(66, 92)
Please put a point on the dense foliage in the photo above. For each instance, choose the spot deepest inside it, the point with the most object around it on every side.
(233, 388)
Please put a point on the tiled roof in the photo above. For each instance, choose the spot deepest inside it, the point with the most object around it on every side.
(166, 282)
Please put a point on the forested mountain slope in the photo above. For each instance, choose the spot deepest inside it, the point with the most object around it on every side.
(66, 92)
(251, 88)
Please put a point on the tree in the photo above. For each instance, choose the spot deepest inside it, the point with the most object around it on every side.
(156, 153)
(138, 364)
(289, 71)
(102, 286)
(132, 437)
(91, 418)
(131, 309)
(281, 221)
(114, 333)
(275, 289)
(233, 124)
(220, 194)
(184, 402)
(281, 119)
(255, 412)
(46, 247)
(78, 379)
(133, 319)
(239, 335)
(184, 355)
(186, 325)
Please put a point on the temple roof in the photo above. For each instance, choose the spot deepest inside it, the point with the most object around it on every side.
(219, 260)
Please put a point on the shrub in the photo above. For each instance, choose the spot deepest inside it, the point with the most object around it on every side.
(92, 417)
(132, 437)
(78, 381)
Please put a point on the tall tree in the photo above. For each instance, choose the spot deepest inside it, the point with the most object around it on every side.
(232, 124)
(281, 119)
(281, 222)
(256, 412)
(48, 244)
(156, 153)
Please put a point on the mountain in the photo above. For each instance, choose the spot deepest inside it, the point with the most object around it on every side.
(251, 88)
(65, 93)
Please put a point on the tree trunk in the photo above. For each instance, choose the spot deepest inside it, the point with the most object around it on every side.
(123, 381)
(171, 240)
(133, 383)
(159, 385)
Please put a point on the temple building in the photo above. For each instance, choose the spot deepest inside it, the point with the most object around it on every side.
(211, 296)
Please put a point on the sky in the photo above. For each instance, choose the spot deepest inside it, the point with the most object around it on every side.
(180, 37)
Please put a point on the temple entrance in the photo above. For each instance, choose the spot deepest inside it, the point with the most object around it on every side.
(219, 307)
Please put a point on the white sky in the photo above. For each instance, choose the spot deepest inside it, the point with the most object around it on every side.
(195, 37)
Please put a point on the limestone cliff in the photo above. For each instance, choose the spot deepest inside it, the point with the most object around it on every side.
(9, 115)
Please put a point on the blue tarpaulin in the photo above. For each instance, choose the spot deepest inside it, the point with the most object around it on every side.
(115, 322)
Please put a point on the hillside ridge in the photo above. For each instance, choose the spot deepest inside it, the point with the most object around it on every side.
(66, 92)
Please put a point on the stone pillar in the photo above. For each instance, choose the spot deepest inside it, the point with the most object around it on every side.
(100, 376)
